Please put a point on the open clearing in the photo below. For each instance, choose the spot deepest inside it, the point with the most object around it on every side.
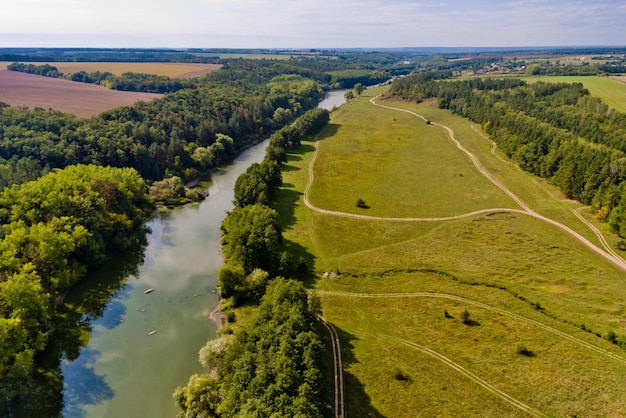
(609, 89)
(528, 285)
(82, 99)
(174, 70)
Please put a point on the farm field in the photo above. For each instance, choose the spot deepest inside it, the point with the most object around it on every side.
(610, 90)
(21, 89)
(174, 70)
(540, 303)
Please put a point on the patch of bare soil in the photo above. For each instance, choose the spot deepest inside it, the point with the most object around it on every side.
(206, 68)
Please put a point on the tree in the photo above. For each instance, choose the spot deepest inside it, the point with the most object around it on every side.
(252, 238)
(214, 351)
(199, 398)
(358, 89)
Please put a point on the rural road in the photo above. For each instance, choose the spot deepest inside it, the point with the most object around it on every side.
(609, 254)
(338, 369)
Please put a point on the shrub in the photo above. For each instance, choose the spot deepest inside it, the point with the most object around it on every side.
(465, 317)
(399, 375)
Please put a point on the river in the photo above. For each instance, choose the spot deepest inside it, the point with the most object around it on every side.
(125, 372)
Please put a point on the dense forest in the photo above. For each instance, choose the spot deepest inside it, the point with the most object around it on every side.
(272, 365)
(54, 229)
(553, 130)
(75, 191)
(107, 55)
(175, 135)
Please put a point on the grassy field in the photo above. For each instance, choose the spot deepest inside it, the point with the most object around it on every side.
(528, 286)
(180, 70)
(610, 90)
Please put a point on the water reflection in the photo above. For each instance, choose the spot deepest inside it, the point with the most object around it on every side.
(87, 389)
(84, 307)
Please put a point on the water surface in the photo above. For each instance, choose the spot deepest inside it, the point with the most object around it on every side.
(123, 371)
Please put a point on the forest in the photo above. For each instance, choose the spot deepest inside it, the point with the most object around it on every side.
(553, 130)
(176, 135)
(55, 229)
(271, 366)
(76, 191)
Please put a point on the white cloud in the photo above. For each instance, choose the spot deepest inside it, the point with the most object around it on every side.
(321, 23)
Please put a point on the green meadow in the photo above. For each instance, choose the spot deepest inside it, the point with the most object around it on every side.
(611, 91)
(540, 303)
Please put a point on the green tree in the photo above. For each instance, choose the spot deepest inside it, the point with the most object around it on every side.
(252, 238)
(199, 398)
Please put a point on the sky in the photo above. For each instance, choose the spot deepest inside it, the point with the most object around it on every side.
(311, 23)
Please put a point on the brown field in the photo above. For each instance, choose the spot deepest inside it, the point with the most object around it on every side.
(21, 89)
(175, 70)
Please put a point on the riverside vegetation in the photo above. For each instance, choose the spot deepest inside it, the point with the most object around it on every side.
(272, 363)
(64, 212)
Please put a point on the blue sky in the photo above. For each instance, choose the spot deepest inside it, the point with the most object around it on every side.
(311, 24)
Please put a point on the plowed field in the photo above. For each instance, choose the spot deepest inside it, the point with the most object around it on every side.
(21, 89)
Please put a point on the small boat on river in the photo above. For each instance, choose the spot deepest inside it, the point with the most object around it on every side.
(148, 291)
(154, 331)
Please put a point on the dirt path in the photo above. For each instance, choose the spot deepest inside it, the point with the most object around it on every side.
(609, 255)
(592, 227)
(338, 369)
(461, 299)
(502, 395)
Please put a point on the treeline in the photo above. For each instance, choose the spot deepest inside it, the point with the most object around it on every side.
(45, 70)
(177, 135)
(129, 81)
(252, 233)
(105, 55)
(346, 79)
(273, 365)
(54, 230)
(584, 69)
(553, 130)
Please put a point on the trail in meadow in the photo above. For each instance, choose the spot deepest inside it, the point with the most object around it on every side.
(608, 254)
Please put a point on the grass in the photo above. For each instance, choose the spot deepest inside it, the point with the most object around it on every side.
(562, 379)
(503, 259)
(404, 168)
(611, 91)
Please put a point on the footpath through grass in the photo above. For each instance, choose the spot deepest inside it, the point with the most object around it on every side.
(400, 166)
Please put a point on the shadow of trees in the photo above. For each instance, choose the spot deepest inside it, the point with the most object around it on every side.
(357, 401)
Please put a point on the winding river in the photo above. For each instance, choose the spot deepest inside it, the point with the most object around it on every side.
(145, 342)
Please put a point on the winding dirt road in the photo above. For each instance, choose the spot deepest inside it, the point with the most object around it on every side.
(609, 255)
